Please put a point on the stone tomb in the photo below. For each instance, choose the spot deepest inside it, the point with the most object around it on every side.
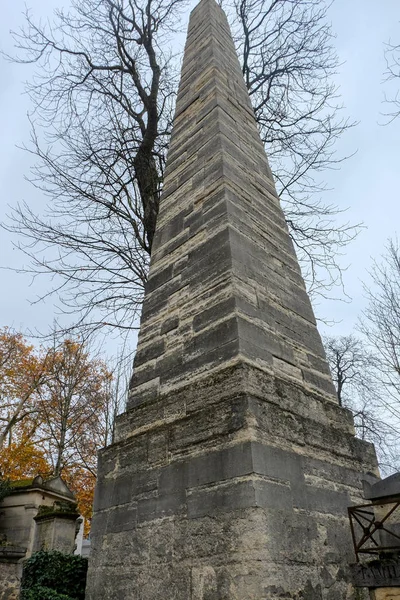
(36, 515)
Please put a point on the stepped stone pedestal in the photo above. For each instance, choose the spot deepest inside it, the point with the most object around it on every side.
(234, 464)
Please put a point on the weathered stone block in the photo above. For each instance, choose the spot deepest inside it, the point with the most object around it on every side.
(161, 506)
(122, 518)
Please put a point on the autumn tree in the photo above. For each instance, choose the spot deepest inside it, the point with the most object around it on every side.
(22, 373)
(103, 99)
(71, 399)
(71, 406)
(77, 407)
(82, 484)
(24, 459)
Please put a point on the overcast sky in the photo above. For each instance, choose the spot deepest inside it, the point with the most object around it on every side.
(368, 183)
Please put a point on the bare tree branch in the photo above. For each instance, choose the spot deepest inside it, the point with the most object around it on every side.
(289, 64)
(392, 74)
(103, 97)
(356, 373)
(381, 321)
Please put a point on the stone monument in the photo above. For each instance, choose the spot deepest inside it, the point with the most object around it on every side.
(234, 464)
(37, 514)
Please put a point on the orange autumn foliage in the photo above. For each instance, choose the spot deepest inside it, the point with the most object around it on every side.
(21, 374)
(72, 405)
(56, 411)
(82, 483)
(23, 460)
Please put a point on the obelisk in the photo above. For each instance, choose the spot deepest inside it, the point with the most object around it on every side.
(234, 464)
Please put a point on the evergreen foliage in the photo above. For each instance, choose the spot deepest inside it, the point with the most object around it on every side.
(5, 488)
(54, 576)
(38, 592)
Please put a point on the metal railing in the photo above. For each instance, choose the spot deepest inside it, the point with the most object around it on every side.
(372, 527)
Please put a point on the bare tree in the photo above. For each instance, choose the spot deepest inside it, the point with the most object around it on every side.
(288, 63)
(392, 74)
(103, 98)
(381, 322)
(102, 102)
(350, 366)
(356, 375)
(117, 394)
(374, 364)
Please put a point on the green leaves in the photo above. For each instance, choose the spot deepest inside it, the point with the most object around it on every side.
(5, 488)
(38, 592)
(54, 576)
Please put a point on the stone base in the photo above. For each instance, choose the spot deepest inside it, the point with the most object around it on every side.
(232, 489)
(225, 558)
(10, 571)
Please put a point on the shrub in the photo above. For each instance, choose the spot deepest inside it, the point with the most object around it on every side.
(38, 592)
(5, 488)
(61, 574)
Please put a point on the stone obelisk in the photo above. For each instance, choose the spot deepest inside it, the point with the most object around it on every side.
(234, 464)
